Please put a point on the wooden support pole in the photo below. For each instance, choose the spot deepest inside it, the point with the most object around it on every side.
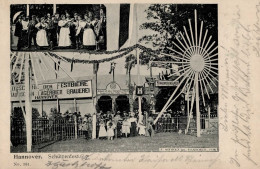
(208, 116)
(197, 104)
(28, 107)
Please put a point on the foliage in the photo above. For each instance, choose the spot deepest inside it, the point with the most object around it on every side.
(167, 21)
(18, 113)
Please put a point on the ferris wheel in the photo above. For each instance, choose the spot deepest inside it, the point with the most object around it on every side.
(197, 58)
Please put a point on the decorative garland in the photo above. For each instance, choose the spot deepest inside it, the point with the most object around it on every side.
(127, 50)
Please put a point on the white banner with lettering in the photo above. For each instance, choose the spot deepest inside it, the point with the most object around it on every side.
(61, 90)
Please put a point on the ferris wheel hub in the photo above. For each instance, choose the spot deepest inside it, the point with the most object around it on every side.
(197, 62)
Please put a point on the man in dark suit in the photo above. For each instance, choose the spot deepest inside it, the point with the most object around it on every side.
(32, 31)
(18, 32)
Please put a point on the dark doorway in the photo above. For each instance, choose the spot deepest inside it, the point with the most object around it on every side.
(105, 103)
(122, 103)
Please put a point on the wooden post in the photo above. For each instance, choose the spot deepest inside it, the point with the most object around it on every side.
(27, 9)
(208, 115)
(94, 117)
(28, 107)
(54, 9)
(197, 104)
(75, 105)
(41, 107)
(76, 126)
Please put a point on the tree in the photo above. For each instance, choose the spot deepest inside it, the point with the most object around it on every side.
(167, 21)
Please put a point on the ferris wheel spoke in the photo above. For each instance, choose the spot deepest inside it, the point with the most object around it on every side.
(21, 69)
(212, 51)
(191, 33)
(202, 93)
(192, 80)
(178, 53)
(186, 49)
(209, 64)
(210, 75)
(178, 71)
(196, 30)
(211, 71)
(175, 57)
(205, 87)
(189, 49)
(201, 26)
(209, 58)
(187, 79)
(211, 67)
(183, 75)
(201, 49)
(169, 100)
(207, 82)
(180, 50)
(204, 54)
(188, 39)
(204, 48)
(210, 79)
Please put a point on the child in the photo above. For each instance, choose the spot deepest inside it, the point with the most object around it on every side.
(126, 127)
(110, 130)
(141, 128)
(102, 131)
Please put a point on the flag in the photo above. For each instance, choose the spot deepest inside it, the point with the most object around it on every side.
(112, 67)
(121, 25)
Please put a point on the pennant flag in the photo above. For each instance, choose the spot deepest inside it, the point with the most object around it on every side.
(95, 67)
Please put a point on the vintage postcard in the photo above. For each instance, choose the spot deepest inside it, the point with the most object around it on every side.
(120, 84)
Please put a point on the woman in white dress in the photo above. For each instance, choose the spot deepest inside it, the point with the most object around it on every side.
(89, 37)
(41, 36)
(126, 127)
(102, 130)
(64, 38)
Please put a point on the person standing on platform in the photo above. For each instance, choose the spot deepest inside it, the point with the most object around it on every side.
(64, 38)
(25, 23)
(100, 29)
(32, 31)
(41, 37)
(79, 32)
(57, 27)
(18, 32)
(51, 31)
(89, 37)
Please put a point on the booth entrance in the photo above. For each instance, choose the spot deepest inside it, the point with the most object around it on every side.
(122, 103)
(105, 103)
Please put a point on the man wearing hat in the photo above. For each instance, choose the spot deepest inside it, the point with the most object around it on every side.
(51, 31)
(18, 32)
(32, 31)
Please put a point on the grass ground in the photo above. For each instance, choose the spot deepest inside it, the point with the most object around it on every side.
(130, 144)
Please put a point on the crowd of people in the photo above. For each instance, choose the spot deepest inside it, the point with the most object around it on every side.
(63, 31)
(121, 124)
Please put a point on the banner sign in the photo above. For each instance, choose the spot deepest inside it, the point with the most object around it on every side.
(160, 83)
(112, 88)
(61, 90)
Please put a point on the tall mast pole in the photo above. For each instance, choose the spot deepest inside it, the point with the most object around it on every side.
(197, 104)
(28, 107)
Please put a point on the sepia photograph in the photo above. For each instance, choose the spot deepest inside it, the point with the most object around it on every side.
(114, 78)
